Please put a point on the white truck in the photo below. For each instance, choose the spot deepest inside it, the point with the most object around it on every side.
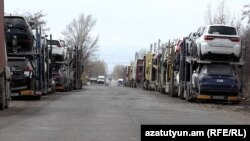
(101, 79)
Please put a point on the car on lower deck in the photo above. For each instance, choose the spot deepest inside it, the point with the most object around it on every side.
(22, 73)
(216, 79)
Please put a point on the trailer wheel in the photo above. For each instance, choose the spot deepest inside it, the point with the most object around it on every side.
(2, 97)
(2, 92)
(189, 97)
(236, 102)
(147, 85)
(163, 90)
(180, 92)
(38, 97)
(7, 94)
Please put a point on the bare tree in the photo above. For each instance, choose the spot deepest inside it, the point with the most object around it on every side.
(222, 15)
(140, 54)
(97, 67)
(119, 71)
(246, 13)
(37, 18)
(77, 33)
(208, 14)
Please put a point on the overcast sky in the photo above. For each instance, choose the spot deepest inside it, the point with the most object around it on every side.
(125, 26)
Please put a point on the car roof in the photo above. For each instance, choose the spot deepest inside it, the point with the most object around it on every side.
(220, 25)
(17, 58)
(14, 16)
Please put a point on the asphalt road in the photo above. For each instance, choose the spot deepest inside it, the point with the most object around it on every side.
(106, 113)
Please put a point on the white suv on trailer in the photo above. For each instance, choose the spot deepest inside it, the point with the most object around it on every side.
(218, 39)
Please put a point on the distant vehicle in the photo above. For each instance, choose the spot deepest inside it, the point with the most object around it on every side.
(218, 40)
(19, 30)
(120, 82)
(93, 80)
(216, 78)
(107, 82)
(55, 43)
(101, 79)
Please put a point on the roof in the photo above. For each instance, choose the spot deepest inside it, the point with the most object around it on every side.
(220, 25)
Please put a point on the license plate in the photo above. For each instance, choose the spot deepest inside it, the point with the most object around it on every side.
(28, 92)
(218, 97)
(220, 80)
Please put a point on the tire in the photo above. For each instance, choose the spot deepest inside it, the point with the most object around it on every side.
(66, 88)
(188, 94)
(163, 91)
(38, 97)
(235, 102)
(201, 57)
(180, 92)
(146, 86)
(6, 106)
(7, 94)
(2, 91)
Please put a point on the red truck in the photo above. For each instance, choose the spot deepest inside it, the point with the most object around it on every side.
(136, 73)
(4, 69)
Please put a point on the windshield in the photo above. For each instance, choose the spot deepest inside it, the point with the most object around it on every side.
(15, 21)
(222, 30)
(54, 43)
(217, 69)
(56, 68)
(17, 64)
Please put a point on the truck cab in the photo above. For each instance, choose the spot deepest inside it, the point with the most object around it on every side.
(101, 79)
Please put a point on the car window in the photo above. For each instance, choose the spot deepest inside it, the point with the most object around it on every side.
(203, 70)
(219, 69)
(15, 21)
(17, 64)
(200, 30)
(222, 30)
(56, 67)
(54, 43)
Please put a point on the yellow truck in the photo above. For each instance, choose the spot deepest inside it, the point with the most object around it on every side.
(149, 72)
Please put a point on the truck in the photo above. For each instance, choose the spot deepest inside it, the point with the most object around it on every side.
(162, 72)
(78, 67)
(27, 57)
(101, 79)
(137, 71)
(4, 69)
(152, 72)
(128, 76)
(134, 73)
(60, 66)
(149, 72)
(207, 78)
(171, 63)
